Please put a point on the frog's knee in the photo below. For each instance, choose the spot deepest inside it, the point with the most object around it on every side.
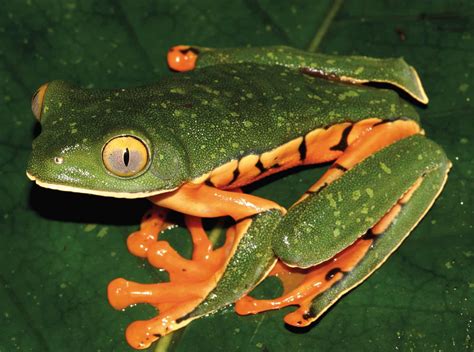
(288, 245)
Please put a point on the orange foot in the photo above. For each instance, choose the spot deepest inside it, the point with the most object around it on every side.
(190, 280)
(182, 58)
(301, 286)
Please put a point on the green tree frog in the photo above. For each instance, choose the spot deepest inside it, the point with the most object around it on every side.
(229, 118)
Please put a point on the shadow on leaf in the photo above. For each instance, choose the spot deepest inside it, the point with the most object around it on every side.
(81, 208)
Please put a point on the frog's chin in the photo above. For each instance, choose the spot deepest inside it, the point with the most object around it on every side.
(66, 188)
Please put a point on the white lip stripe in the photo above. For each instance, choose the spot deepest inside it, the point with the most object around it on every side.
(95, 192)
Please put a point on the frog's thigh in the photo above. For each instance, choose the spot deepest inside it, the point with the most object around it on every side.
(206, 201)
(400, 182)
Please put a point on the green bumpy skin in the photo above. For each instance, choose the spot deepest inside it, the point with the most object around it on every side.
(352, 69)
(192, 123)
(411, 213)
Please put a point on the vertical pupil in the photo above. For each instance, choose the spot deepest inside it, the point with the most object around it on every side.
(126, 157)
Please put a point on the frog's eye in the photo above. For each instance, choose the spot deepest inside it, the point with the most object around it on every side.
(125, 156)
(37, 101)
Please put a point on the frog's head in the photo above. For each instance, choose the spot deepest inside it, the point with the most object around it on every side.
(107, 143)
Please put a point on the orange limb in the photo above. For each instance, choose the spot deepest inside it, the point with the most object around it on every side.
(182, 58)
(190, 282)
(208, 202)
(302, 286)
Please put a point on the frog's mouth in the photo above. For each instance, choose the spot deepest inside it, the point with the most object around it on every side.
(66, 188)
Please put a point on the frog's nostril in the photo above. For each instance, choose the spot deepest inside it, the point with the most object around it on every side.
(37, 101)
(58, 160)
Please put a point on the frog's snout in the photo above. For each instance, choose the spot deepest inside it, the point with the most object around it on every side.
(37, 101)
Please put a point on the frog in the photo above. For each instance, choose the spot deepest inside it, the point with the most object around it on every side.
(225, 119)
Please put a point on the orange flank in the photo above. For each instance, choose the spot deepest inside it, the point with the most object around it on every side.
(338, 142)
(190, 282)
(369, 140)
(302, 286)
(182, 58)
(206, 201)
(385, 222)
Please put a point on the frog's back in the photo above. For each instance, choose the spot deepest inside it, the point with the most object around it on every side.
(231, 115)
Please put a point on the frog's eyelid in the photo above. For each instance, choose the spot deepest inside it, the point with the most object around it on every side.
(37, 101)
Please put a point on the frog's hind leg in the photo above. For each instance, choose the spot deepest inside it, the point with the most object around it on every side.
(402, 179)
(351, 69)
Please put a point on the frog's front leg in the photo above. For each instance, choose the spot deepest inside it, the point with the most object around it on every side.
(189, 279)
(228, 272)
(345, 230)
(205, 201)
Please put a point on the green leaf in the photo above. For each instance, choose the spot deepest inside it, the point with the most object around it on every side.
(59, 251)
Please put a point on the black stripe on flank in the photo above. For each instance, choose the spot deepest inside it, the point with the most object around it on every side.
(382, 122)
(325, 184)
(333, 272)
(209, 183)
(302, 149)
(308, 315)
(247, 217)
(260, 166)
(369, 236)
(342, 145)
(179, 320)
(339, 167)
(236, 175)
(275, 166)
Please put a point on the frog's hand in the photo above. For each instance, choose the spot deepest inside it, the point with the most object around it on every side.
(396, 185)
(212, 278)
(351, 69)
